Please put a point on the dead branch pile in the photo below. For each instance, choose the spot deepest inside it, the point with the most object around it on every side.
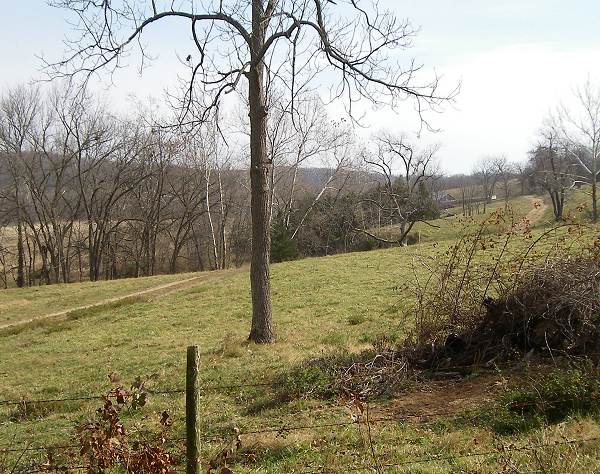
(384, 374)
(552, 310)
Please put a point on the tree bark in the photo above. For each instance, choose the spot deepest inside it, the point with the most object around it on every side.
(260, 178)
(222, 223)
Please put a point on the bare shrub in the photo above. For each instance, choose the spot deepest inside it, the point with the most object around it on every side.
(106, 444)
(499, 293)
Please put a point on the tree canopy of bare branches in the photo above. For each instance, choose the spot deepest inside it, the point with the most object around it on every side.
(265, 42)
(403, 198)
(579, 128)
(550, 163)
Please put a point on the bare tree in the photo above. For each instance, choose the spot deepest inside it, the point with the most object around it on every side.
(309, 134)
(19, 108)
(405, 172)
(339, 158)
(580, 132)
(487, 174)
(266, 42)
(109, 160)
(49, 177)
(148, 202)
(187, 187)
(504, 171)
(469, 198)
(550, 163)
(524, 174)
(83, 189)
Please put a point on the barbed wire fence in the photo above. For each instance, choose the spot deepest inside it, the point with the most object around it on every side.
(192, 441)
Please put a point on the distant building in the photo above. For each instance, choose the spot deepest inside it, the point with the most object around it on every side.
(444, 197)
(444, 200)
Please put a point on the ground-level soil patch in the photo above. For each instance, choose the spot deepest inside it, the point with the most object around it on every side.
(445, 397)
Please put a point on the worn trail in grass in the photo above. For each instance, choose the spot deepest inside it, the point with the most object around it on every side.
(20, 319)
(24, 304)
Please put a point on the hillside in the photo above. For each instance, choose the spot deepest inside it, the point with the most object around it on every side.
(332, 305)
(452, 224)
(18, 306)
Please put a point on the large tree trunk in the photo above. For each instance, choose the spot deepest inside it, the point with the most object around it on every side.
(260, 179)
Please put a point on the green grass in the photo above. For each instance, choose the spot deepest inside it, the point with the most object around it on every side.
(312, 298)
(578, 204)
(453, 224)
(514, 189)
(546, 397)
(322, 306)
(24, 303)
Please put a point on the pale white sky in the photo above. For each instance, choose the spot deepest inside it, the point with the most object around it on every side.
(516, 60)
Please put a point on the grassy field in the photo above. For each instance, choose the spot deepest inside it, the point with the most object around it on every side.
(577, 203)
(332, 305)
(514, 189)
(452, 224)
(18, 304)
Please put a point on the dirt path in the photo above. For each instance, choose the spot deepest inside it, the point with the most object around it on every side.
(171, 287)
(445, 397)
(538, 211)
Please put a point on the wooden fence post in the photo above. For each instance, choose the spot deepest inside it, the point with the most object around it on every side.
(192, 416)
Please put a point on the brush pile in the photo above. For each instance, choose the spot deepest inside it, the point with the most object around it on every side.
(551, 311)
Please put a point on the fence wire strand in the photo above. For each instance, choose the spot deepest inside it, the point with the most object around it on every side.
(175, 391)
(209, 387)
(508, 449)
(358, 420)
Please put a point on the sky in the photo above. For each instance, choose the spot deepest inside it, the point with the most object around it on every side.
(516, 60)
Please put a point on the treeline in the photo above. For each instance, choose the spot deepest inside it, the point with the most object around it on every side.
(567, 154)
(493, 177)
(564, 160)
(87, 194)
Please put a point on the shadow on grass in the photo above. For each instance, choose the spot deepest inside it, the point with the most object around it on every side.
(544, 400)
(30, 411)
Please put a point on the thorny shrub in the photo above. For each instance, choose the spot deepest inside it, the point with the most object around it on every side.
(103, 443)
(491, 297)
(376, 373)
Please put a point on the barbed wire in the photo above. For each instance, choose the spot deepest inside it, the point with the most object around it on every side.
(73, 446)
(507, 449)
(487, 366)
(399, 418)
(39, 448)
(48, 400)
(61, 468)
(174, 391)
(420, 460)
(405, 417)
(357, 420)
